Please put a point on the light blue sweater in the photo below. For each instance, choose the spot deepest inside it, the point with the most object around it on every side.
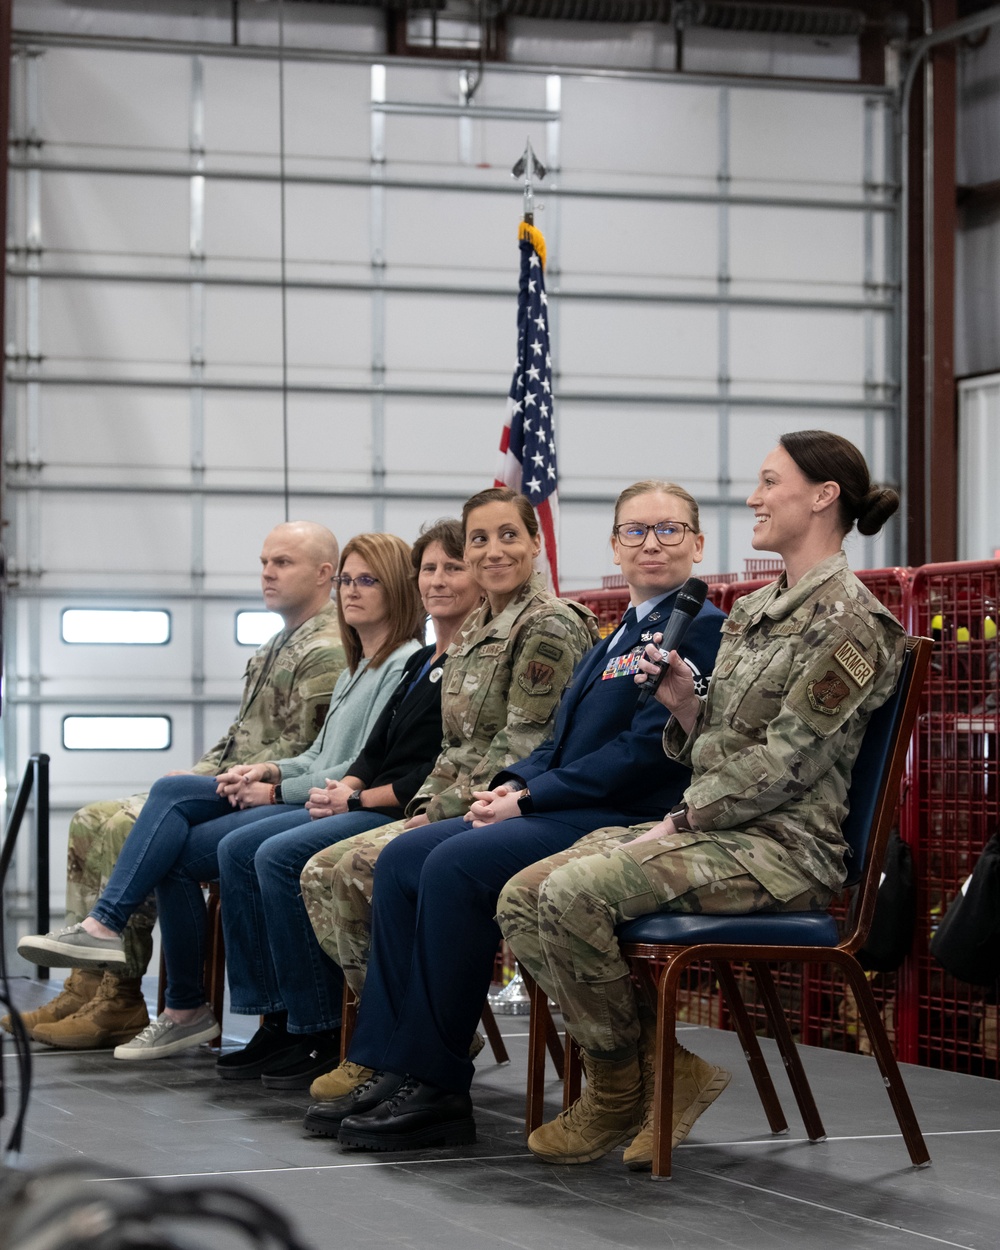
(355, 704)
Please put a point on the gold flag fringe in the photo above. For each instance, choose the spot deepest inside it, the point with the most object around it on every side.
(534, 236)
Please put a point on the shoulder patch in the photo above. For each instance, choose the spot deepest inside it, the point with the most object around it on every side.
(854, 664)
(550, 651)
(537, 678)
(827, 693)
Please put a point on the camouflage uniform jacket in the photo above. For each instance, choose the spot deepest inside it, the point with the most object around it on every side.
(286, 693)
(504, 678)
(799, 673)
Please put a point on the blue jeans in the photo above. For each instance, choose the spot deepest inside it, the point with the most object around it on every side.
(434, 937)
(273, 960)
(173, 848)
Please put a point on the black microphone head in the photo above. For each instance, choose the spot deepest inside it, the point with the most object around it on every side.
(691, 597)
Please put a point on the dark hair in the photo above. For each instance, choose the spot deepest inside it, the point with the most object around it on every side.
(447, 531)
(388, 557)
(501, 494)
(651, 485)
(826, 457)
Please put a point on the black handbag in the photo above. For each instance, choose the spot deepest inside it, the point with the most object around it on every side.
(895, 917)
(967, 941)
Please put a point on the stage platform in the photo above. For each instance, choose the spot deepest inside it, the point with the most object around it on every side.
(734, 1184)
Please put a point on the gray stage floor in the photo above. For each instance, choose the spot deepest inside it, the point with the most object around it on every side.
(734, 1184)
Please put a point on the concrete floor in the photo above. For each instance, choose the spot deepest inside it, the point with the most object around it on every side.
(734, 1184)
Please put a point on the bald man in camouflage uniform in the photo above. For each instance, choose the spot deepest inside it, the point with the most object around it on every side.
(286, 693)
(503, 678)
(799, 673)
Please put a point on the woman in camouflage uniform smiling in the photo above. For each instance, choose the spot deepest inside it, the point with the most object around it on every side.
(505, 674)
(803, 664)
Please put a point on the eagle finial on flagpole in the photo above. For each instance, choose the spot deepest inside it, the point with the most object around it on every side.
(529, 166)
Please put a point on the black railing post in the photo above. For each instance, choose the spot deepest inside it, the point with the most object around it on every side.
(41, 763)
(36, 774)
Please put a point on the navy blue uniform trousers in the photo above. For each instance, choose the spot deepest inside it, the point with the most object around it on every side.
(434, 937)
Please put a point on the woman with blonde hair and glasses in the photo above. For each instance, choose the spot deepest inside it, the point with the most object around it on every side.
(173, 846)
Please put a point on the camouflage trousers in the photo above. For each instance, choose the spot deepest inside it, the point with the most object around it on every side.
(97, 834)
(560, 914)
(337, 893)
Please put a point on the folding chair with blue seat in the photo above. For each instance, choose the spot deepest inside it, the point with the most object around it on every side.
(661, 946)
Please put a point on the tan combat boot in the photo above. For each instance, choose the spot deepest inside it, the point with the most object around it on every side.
(115, 1014)
(345, 1077)
(78, 988)
(697, 1084)
(604, 1115)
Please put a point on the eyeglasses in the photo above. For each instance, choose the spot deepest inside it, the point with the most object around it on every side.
(363, 580)
(668, 533)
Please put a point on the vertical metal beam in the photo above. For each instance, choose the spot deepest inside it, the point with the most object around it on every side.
(871, 45)
(941, 502)
(11, 417)
(33, 391)
(378, 96)
(6, 7)
(196, 142)
(894, 427)
(723, 282)
(913, 413)
(868, 278)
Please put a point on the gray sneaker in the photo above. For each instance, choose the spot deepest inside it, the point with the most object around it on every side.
(166, 1037)
(72, 947)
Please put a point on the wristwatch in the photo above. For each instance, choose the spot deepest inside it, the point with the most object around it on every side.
(680, 818)
(354, 803)
(525, 803)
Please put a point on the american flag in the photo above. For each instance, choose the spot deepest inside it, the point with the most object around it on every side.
(528, 445)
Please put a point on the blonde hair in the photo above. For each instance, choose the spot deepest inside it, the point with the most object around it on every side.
(654, 485)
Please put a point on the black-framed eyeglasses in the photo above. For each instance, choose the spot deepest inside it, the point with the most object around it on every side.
(363, 580)
(668, 533)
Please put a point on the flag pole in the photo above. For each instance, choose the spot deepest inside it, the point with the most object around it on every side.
(527, 442)
(529, 166)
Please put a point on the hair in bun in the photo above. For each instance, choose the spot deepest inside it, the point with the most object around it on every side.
(876, 508)
(826, 457)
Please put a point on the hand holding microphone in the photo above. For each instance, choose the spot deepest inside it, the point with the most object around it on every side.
(687, 605)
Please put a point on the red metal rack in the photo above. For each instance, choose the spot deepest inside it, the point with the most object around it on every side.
(950, 806)
(953, 806)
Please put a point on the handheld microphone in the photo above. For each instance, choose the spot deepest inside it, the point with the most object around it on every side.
(687, 605)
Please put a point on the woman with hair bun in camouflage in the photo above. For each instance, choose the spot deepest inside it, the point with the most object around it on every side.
(803, 664)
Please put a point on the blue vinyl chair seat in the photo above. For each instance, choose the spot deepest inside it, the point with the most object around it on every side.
(797, 928)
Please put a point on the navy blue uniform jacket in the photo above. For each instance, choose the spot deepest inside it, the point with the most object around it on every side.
(604, 751)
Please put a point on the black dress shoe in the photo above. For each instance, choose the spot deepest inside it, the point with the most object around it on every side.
(415, 1116)
(313, 1055)
(324, 1118)
(271, 1042)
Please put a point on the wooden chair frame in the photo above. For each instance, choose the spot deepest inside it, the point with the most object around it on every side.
(661, 966)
